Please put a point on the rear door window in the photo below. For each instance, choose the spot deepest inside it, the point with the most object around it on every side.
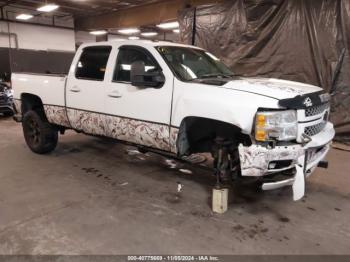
(93, 62)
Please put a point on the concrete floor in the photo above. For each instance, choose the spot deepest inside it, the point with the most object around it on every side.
(91, 197)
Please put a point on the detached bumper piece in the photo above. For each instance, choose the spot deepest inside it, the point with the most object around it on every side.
(286, 165)
(297, 181)
(295, 176)
(303, 168)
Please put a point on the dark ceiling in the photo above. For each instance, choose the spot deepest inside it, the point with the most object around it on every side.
(79, 8)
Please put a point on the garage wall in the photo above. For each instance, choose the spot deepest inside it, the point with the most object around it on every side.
(84, 37)
(4, 61)
(39, 37)
(162, 36)
(52, 49)
(4, 39)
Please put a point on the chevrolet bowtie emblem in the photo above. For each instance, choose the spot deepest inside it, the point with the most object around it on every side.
(307, 102)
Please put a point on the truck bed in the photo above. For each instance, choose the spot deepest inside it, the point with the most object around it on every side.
(49, 87)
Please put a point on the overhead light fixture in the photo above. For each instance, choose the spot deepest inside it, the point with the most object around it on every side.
(149, 34)
(24, 17)
(129, 31)
(98, 32)
(169, 25)
(176, 31)
(134, 38)
(48, 8)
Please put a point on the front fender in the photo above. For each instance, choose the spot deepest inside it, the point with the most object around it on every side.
(235, 107)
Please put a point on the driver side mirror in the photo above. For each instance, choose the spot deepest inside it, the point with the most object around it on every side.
(140, 78)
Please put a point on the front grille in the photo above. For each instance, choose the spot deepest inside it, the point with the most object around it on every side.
(316, 110)
(315, 129)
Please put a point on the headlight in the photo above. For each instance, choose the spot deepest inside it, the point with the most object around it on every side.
(277, 125)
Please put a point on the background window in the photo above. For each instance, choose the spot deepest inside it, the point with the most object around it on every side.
(126, 57)
(92, 63)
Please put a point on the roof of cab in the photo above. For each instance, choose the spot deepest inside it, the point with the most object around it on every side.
(141, 42)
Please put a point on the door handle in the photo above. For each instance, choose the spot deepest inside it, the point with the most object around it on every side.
(75, 89)
(115, 94)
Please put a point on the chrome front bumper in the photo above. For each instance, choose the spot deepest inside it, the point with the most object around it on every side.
(304, 159)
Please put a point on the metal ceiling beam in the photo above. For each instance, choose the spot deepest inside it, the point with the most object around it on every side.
(138, 16)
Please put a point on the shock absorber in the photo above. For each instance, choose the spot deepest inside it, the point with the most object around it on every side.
(223, 160)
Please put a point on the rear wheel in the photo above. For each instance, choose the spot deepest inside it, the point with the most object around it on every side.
(40, 135)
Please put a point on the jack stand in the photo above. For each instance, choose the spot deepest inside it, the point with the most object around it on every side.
(220, 196)
(220, 199)
(220, 193)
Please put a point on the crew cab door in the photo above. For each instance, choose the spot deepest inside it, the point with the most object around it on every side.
(139, 115)
(85, 89)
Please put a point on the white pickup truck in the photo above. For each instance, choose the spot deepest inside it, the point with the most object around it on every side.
(181, 100)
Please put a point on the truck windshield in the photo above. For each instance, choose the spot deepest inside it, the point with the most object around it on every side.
(189, 64)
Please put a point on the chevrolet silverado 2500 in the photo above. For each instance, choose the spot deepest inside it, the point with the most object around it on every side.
(181, 100)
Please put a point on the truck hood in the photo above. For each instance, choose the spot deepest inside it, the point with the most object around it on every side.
(275, 88)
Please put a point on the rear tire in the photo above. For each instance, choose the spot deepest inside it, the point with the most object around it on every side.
(39, 134)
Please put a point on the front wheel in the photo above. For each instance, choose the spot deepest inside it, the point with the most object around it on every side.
(39, 134)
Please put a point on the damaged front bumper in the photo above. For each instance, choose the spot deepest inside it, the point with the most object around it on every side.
(295, 162)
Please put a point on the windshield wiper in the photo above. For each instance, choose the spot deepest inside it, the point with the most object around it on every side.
(216, 75)
(211, 76)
